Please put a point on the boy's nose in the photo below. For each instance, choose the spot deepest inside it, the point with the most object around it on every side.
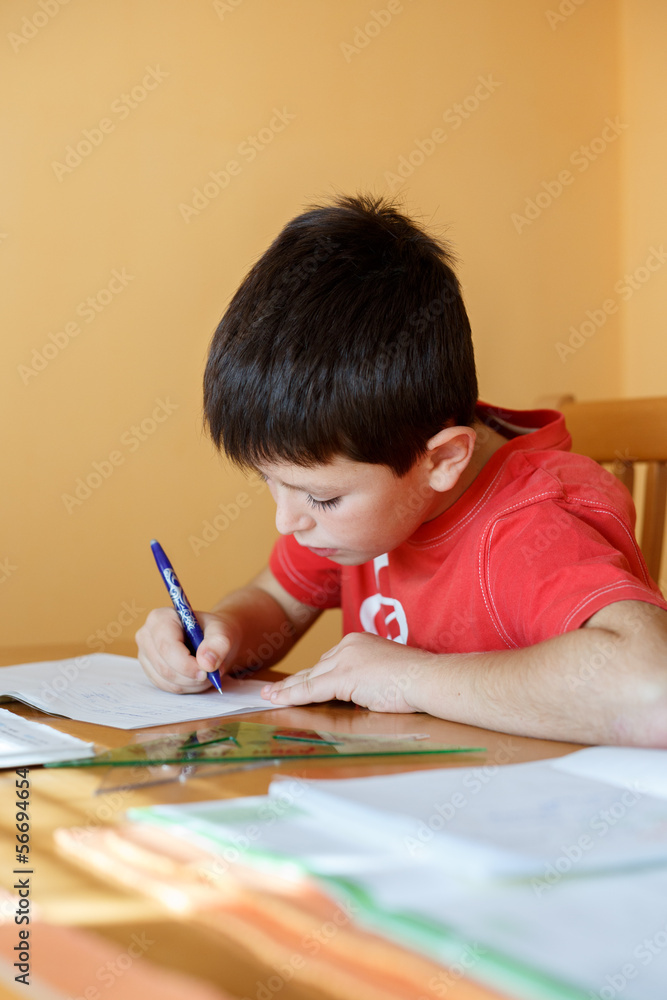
(291, 517)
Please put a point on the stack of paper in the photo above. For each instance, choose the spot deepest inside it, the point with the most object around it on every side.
(545, 880)
(23, 742)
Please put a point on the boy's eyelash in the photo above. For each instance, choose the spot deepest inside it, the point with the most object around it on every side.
(318, 504)
(323, 504)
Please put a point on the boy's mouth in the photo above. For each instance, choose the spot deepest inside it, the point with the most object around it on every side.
(322, 552)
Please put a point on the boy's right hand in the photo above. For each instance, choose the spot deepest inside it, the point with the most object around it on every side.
(168, 662)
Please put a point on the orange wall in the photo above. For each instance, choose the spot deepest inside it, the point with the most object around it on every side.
(644, 86)
(340, 99)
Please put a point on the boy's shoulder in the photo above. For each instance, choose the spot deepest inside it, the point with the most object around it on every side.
(534, 468)
(536, 462)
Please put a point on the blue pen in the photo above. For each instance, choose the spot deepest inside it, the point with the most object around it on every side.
(193, 633)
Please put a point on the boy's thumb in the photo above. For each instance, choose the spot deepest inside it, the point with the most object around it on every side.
(213, 650)
(208, 658)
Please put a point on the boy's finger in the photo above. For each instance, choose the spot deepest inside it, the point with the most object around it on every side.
(303, 693)
(167, 679)
(302, 688)
(209, 658)
(161, 641)
(166, 660)
(216, 645)
(212, 653)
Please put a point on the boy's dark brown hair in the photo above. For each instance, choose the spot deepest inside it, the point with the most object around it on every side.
(348, 337)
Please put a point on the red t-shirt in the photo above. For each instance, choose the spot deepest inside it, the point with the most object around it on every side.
(540, 541)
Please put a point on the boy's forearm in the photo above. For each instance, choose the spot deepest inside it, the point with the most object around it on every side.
(592, 685)
(605, 682)
(525, 692)
(264, 632)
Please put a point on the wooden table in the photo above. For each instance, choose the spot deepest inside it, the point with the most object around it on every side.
(64, 894)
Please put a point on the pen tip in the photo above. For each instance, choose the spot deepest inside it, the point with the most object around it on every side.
(214, 677)
(153, 541)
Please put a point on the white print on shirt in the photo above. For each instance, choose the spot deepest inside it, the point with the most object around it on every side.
(369, 609)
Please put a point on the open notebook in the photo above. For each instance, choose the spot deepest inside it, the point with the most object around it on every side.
(114, 691)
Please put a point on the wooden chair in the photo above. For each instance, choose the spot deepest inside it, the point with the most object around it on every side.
(621, 432)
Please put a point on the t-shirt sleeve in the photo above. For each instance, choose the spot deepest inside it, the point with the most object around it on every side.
(309, 578)
(546, 569)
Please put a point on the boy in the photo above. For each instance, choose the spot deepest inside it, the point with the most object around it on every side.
(485, 574)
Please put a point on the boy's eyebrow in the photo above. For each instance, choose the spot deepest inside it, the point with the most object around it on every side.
(322, 488)
(310, 489)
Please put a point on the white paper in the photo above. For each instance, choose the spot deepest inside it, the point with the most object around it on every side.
(584, 921)
(515, 820)
(635, 768)
(605, 935)
(597, 935)
(24, 742)
(114, 691)
(271, 827)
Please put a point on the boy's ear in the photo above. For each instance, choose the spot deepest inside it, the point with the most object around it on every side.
(449, 453)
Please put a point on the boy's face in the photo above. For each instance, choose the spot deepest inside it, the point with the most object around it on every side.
(351, 511)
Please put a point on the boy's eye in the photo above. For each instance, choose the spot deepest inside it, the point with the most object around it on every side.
(323, 504)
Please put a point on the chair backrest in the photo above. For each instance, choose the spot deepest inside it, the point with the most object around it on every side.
(621, 432)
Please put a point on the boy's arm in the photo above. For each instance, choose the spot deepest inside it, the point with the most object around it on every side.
(251, 627)
(603, 683)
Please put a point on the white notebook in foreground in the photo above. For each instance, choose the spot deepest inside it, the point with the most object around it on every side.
(545, 880)
(114, 691)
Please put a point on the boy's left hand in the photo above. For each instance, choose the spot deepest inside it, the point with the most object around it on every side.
(372, 672)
